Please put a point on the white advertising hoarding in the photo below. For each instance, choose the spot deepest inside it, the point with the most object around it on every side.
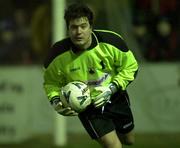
(24, 110)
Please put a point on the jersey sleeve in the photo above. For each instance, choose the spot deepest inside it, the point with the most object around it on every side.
(126, 68)
(53, 81)
(122, 61)
(53, 75)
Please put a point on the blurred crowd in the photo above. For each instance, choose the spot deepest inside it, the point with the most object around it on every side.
(156, 27)
(15, 39)
(25, 34)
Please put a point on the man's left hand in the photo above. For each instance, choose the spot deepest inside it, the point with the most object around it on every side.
(102, 94)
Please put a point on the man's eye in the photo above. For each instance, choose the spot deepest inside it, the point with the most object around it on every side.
(83, 27)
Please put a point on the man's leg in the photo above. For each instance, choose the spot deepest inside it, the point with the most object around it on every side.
(128, 138)
(110, 140)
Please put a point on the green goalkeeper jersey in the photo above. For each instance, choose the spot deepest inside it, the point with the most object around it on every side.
(107, 60)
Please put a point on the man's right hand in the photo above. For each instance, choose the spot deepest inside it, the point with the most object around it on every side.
(65, 111)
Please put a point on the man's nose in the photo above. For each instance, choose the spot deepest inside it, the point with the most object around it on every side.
(79, 30)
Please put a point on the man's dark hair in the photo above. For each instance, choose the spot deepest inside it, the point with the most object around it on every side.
(77, 10)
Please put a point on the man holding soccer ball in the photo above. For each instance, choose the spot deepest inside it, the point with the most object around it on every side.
(101, 60)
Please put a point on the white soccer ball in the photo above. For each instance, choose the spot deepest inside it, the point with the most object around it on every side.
(76, 94)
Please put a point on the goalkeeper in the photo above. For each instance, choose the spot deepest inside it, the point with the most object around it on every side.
(101, 59)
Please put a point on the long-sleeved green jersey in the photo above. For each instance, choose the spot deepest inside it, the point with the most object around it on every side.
(107, 60)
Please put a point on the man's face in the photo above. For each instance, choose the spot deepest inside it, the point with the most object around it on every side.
(80, 32)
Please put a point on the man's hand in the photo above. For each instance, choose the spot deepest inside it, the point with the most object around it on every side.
(65, 111)
(102, 94)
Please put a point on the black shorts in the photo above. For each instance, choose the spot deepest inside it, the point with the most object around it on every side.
(116, 115)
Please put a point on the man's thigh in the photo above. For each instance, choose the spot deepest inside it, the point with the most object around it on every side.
(116, 115)
(96, 124)
(110, 140)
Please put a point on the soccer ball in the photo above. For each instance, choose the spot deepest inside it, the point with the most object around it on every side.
(76, 95)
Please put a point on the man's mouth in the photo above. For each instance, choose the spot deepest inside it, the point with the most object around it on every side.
(78, 38)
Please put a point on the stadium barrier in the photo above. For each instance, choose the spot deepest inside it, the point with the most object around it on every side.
(26, 112)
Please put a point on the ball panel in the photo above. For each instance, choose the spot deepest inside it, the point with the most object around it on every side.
(76, 94)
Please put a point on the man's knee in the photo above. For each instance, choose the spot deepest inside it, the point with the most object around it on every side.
(110, 140)
(127, 139)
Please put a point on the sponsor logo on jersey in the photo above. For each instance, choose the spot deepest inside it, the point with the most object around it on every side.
(74, 69)
(99, 81)
(91, 70)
